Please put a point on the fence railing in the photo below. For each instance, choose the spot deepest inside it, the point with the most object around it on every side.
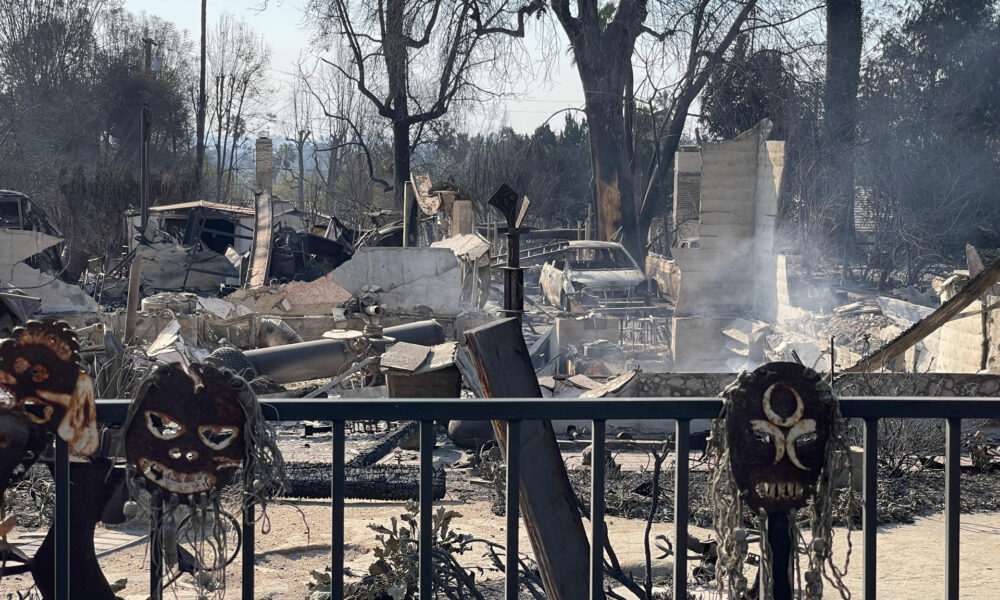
(514, 411)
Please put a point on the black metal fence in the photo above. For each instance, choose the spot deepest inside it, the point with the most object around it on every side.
(514, 411)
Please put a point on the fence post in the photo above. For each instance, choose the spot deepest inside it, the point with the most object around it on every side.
(513, 514)
(597, 511)
(682, 433)
(870, 514)
(249, 541)
(61, 518)
(952, 505)
(337, 484)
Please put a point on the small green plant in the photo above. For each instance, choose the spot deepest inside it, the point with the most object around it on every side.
(394, 574)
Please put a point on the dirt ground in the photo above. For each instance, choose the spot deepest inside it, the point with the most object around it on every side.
(910, 564)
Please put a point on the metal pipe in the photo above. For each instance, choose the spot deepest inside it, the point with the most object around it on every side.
(329, 358)
(301, 362)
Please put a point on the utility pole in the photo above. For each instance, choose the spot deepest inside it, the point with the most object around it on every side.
(135, 271)
(200, 144)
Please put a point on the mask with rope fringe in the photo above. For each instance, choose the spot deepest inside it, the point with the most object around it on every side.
(779, 445)
(186, 433)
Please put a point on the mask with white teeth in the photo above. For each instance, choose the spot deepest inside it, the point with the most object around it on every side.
(185, 435)
(778, 425)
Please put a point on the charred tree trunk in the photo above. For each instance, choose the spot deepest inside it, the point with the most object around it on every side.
(614, 184)
(843, 67)
(603, 54)
(395, 49)
(605, 81)
(376, 482)
(401, 175)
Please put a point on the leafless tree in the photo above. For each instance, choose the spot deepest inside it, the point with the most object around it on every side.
(300, 107)
(238, 60)
(413, 61)
(353, 153)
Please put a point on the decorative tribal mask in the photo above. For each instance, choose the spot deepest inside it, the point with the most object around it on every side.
(188, 430)
(779, 442)
(778, 427)
(41, 365)
(186, 435)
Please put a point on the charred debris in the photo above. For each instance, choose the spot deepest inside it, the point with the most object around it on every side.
(489, 304)
(301, 304)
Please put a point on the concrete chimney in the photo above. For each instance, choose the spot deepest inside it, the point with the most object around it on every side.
(264, 163)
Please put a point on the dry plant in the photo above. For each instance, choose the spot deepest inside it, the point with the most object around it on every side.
(904, 444)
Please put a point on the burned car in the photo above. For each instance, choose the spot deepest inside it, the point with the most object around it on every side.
(593, 274)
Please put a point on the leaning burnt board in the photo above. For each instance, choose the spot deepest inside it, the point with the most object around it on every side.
(263, 227)
(503, 364)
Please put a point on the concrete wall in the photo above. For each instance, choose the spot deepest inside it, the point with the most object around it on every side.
(674, 385)
(993, 335)
(770, 168)
(732, 272)
(686, 385)
(698, 343)
(961, 346)
(413, 280)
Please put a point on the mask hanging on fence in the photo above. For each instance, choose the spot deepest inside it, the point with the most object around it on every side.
(779, 446)
(40, 365)
(187, 434)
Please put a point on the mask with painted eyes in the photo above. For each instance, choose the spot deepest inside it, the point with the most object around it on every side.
(40, 365)
(779, 420)
(186, 433)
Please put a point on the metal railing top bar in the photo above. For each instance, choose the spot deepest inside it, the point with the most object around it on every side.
(295, 409)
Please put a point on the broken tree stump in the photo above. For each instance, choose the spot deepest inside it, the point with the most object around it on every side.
(551, 515)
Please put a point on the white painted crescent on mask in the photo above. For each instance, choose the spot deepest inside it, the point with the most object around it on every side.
(773, 416)
(803, 427)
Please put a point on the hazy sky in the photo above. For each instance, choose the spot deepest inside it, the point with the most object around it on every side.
(282, 25)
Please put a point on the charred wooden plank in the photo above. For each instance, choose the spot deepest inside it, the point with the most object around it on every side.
(551, 515)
